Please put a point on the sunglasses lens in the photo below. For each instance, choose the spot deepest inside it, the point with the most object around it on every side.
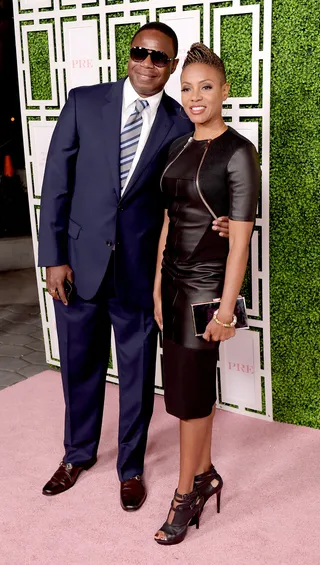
(138, 54)
(159, 59)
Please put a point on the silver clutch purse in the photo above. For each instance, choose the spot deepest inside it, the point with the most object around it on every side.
(202, 314)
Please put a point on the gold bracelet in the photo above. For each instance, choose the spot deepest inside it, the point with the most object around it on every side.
(230, 325)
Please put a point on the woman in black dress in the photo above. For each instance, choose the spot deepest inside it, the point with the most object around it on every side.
(214, 173)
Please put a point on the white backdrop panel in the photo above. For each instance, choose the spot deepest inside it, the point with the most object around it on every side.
(82, 49)
(240, 370)
(187, 27)
(50, 325)
(40, 136)
(29, 4)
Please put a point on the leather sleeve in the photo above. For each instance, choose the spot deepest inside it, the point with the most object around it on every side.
(244, 176)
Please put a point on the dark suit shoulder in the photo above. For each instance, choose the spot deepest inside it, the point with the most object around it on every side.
(97, 91)
(93, 89)
(171, 105)
(175, 111)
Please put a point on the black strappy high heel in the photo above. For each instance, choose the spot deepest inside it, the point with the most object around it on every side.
(188, 510)
(202, 483)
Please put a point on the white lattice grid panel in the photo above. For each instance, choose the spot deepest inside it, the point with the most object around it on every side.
(81, 52)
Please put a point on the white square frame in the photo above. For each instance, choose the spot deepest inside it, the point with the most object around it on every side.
(53, 101)
(238, 10)
(113, 22)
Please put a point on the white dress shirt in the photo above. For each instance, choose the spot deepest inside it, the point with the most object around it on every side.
(148, 116)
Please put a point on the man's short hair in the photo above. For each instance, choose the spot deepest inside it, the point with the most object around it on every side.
(163, 28)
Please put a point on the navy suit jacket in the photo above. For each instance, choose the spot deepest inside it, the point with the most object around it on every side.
(82, 213)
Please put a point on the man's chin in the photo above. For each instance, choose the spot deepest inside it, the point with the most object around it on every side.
(144, 87)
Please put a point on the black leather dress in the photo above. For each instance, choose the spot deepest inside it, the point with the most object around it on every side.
(202, 178)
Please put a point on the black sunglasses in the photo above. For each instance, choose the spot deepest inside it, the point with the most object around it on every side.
(158, 58)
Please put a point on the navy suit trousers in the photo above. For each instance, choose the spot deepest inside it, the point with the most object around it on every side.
(84, 330)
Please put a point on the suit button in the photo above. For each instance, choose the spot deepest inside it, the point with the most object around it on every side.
(121, 208)
(109, 243)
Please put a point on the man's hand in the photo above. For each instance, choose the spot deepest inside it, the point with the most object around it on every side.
(222, 225)
(55, 278)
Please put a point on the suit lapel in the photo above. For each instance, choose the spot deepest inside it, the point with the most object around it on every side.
(159, 131)
(111, 115)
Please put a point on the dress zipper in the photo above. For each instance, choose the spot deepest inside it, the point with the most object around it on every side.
(171, 163)
(197, 181)
(197, 176)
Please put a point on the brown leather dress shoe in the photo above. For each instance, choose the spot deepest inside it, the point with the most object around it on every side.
(132, 494)
(65, 477)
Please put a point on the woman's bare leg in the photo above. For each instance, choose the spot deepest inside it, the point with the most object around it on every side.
(205, 460)
(193, 440)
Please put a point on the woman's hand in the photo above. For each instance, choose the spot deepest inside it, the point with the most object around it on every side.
(158, 308)
(216, 332)
(157, 281)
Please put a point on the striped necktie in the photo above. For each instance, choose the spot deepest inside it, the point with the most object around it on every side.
(129, 140)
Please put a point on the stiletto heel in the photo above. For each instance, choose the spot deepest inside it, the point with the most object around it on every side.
(186, 513)
(218, 501)
(197, 518)
(202, 483)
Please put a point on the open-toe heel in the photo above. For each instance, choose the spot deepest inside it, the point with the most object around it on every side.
(188, 509)
(203, 484)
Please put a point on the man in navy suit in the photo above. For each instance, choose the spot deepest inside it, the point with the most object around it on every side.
(101, 216)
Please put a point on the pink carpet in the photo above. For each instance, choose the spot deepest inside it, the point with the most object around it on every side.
(270, 504)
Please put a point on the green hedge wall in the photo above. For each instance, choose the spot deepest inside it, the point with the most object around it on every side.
(294, 187)
(294, 213)
(39, 65)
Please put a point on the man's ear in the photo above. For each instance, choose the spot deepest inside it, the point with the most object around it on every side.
(174, 65)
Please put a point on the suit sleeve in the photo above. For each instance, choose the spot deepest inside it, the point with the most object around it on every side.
(57, 188)
(244, 183)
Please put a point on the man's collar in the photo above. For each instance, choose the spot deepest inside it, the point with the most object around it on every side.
(130, 96)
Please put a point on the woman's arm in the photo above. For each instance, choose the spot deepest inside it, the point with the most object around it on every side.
(157, 280)
(239, 240)
(243, 182)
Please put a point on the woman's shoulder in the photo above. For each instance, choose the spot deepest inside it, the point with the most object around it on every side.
(237, 141)
(243, 157)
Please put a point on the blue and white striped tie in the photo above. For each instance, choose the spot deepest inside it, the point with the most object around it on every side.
(129, 140)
